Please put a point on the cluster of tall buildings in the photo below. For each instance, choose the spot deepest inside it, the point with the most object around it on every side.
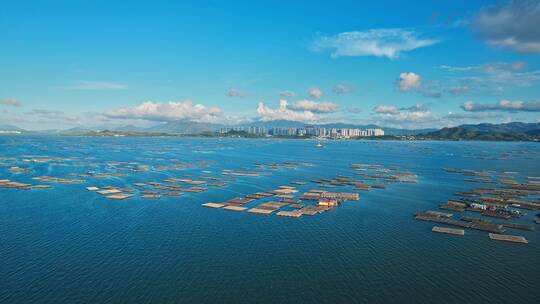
(307, 131)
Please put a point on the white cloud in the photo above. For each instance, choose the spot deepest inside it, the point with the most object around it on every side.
(342, 89)
(235, 93)
(315, 93)
(10, 102)
(409, 81)
(389, 43)
(413, 82)
(407, 116)
(383, 109)
(503, 105)
(490, 78)
(171, 111)
(98, 86)
(416, 116)
(284, 113)
(315, 107)
(515, 25)
(419, 116)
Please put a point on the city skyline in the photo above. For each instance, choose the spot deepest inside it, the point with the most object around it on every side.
(72, 64)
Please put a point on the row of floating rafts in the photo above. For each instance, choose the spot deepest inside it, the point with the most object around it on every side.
(6, 183)
(325, 201)
(166, 188)
(497, 229)
(16, 169)
(486, 209)
(492, 236)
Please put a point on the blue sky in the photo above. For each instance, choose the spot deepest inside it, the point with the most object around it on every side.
(411, 64)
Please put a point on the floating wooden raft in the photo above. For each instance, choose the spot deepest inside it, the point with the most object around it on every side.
(119, 196)
(508, 238)
(448, 230)
(213, 205)
(109, 191)
(261, 211)
(295, 213)
(234, 208)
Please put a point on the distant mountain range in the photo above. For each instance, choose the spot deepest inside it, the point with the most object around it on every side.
(483, 131)
(10, 128)
(190, 127)
(511, 127)
(506, 132)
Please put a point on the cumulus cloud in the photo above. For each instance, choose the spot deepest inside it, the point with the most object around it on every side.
(53, 115)
(489, 78)
(235, 93)
(409, 81)
(315, 93)
(10, 102)
(515, 25)
(383, 109)
(98, 86)
(407, 116)
(170, 111)
(420, 116)
(415, 116)
(413, 82)
(389, 43)
(287, 94)
(283, 112)
(313, 106)
(342, 89)
(503, 105)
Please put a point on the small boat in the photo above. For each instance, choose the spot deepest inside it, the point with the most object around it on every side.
(319, 145)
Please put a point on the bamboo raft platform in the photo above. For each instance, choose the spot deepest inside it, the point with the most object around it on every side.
(151, 196)
(261, 211)
(439, 214)
(234, 208)
(213, 205)
(294, 213)
(518, 226)
(451, 207)
(108, 191)
(448, 230)
(119, 196)
(40, 186)
(313, 210)
(508, 238)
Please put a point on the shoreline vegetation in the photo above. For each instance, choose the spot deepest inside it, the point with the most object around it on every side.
(515, 131)
(452, 134)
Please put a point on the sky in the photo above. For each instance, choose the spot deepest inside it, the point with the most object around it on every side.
(404, 64)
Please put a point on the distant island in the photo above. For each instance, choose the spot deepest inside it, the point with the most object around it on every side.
(514, 131)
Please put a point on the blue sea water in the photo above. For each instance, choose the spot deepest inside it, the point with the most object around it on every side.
(70, 245)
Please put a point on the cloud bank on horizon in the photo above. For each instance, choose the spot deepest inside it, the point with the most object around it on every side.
(426, 68)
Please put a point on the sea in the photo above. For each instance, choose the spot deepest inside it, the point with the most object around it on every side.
(66, 244)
